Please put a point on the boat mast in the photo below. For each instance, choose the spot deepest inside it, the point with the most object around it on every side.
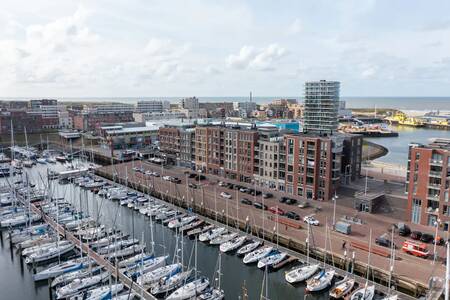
(447, 272)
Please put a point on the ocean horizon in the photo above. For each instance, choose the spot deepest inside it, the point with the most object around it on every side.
(406, 103)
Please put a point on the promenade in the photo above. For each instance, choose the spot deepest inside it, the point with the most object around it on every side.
(410, 268)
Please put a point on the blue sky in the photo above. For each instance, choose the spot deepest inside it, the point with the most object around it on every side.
(223, 48)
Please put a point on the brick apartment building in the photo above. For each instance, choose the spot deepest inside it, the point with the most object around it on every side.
(428, 183)
(305, 165)
(93, 120)
(21, 119)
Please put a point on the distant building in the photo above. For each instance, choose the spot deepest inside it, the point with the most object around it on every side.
(189, 103)
(343, 112)
(113, 108)
(321, 106)
(152, 106)
(245, 108)
(65, 120)
(152, 116)
(48, 109)
(428, 184)
(119, 137)
(93, 120)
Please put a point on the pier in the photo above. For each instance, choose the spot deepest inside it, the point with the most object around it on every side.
(107, 265)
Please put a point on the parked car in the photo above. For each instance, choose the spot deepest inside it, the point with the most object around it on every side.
(416, 235)
(238, 187)
(283, 199)
(292, 215)
(193, 186)
(415, 248)
(156, 174)
(229, 185)
(255, 192)
(304, 204)
(167, 178)
(427, 238)
(259, 205)
(243, 190)
(221, 183)
(225, 195)
(276, 210)
(246, 201)
(311, 220)
(192, 175)
(403, 229)
(267, 195)
(200, 177)
(291, 201)
(384, 241)
(175, 180)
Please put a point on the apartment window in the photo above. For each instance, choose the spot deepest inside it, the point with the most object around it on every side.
(289, 178)
(416, 209)
(300, 191)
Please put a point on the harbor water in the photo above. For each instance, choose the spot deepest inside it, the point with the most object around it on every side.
(16, 277)
(398, 146)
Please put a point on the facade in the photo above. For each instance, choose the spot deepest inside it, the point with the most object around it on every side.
(152, 106)
(152, 116)
(239, 153)
(428, 183)
(130, 138)
(189, 103)
(321, 106)
(269, 147)
(48, 109)
(93, 120)
(209, 149)
(65, 120)
(21, 120)
(187, 148)
(245, 108)
(113, 108)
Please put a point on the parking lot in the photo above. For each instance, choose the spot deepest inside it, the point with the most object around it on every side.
(235, 199)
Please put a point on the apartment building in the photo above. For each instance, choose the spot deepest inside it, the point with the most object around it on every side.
(93, 120)
(321, 106)
(270, 144)
(240, 161)
(209, 149)
(152, 106)
(428, 183)
(169, 142)
(178, 143)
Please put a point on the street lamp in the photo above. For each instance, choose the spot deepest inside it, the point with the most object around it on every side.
(335, 197)
(438, 221)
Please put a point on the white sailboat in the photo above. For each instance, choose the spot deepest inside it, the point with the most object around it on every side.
(323, 279)
(171, 282)
(223, 238)
(257, 254)
(211, 234)
(368, 291)
(78, 285)
(155, 275)
(62, 268)
(49, 253)
(249, 247)
(272, 259)
(233, 244)
(190, 290)
(342, 288)
(104, 292)
(304, 272)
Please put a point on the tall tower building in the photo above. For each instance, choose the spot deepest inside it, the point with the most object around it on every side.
(321, 106)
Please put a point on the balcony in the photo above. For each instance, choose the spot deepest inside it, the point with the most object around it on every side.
(435, 174)
(435, 162)
(432, 210)
(434, 186)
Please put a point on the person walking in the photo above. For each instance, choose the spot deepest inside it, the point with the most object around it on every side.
(344, 245)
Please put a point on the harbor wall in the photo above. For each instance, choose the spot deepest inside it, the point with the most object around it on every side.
(380, 276)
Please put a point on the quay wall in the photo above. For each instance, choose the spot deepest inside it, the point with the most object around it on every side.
(405, 285)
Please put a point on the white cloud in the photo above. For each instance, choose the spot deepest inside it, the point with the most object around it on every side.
(295, 27)
(262, 59)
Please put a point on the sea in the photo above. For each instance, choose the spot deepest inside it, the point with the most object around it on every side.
(406, 103)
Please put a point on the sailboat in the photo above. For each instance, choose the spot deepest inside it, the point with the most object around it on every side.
(368, 291)
(62, 268)
(323, 279)
(79, 285)
(249, 247)
(342, 288)
(274, 258)
(258, 254)
(211, 234)
(233, 244)
(190, 290)
(104, 292)
(304, 272)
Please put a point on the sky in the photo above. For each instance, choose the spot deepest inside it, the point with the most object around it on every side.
(136, 48)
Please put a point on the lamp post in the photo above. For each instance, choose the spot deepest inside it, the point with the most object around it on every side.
(335, 197)
(438, 221)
